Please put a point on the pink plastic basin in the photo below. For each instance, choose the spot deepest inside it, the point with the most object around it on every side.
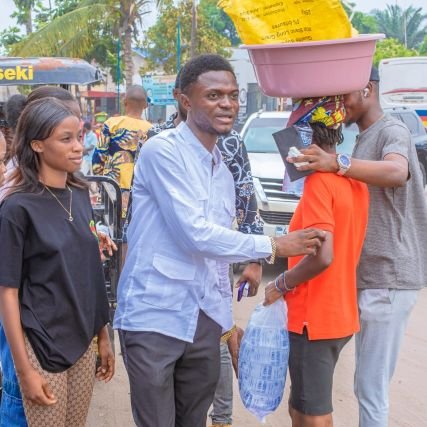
(301, 70)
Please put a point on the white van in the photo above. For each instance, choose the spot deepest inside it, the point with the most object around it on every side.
(403, 83)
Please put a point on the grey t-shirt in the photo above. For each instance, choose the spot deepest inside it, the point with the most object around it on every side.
(394, 254)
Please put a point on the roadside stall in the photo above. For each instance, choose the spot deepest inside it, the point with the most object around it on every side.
(47, 71)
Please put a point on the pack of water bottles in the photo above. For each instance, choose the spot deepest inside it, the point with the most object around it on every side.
(263, 359)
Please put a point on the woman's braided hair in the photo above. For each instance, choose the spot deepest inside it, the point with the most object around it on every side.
(323, 135)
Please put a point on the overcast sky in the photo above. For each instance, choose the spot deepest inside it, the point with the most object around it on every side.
(7, 7)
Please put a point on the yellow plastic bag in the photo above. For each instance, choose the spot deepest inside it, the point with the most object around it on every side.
(286, 21)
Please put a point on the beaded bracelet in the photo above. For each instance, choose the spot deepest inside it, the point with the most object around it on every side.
(278, 287)
(285, 285)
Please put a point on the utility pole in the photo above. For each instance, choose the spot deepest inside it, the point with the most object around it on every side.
(193, 29)
(405, 34)
(178, 47)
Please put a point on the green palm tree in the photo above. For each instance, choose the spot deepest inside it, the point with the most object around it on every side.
(24, 14)
(74, 33)
(406, 25)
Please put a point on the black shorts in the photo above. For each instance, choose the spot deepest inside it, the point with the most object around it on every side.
(311, 367)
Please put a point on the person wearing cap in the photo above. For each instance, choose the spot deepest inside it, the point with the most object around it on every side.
(115, 152)
(391, 270)
(320, 290)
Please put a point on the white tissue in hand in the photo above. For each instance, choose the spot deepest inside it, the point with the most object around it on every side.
(294, 152)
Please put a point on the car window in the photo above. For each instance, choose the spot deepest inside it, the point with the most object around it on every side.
(411, 120)
(350, 133)
(258, 136)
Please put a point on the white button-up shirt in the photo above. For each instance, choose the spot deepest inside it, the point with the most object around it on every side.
(179, 237)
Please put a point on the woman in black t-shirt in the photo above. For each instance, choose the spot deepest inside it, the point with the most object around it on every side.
(52, 294)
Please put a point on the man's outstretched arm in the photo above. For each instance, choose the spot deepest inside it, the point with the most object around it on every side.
(392, 171)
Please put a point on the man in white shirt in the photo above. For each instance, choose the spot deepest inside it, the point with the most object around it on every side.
(171, 308)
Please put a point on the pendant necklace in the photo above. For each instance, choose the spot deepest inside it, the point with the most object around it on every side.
(70, 216)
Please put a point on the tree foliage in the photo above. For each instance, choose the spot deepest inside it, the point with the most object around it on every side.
(23, 13)
(86, 29)
(423, 47)
(409, 26)
(365, 24)
(362, 22)
(219, 21)
(9, 37)
(391, 48)
(72, 34)
(160, 41)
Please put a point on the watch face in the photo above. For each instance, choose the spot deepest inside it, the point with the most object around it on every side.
(345, 161)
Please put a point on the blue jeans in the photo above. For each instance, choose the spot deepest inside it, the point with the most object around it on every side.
(11, 409)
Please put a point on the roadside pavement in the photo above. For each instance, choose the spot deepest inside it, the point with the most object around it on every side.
(110, 405)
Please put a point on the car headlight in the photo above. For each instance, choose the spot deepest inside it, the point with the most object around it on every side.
(260, 191)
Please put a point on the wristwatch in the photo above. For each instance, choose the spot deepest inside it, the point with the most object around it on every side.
(344, 163)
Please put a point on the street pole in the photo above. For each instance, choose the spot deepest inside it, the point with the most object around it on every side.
(193, 29)
(178, 46)
(404, 29)
(118, 75)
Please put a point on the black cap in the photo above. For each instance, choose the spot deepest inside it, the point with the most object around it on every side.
(375, 76)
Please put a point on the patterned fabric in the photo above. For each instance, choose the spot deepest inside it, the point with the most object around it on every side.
(235, 157)
(328, 110)
(157, 128)
(72, 388)
(115, 152)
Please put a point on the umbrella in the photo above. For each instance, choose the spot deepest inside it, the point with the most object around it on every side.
(41, 71)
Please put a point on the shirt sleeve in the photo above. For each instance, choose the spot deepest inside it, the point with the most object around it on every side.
(397, 140)
(11, 251)
(237, 160)
(101, 151)
(162, 172)
(317, 203)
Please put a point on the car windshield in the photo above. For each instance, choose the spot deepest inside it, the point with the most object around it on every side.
(259, 135)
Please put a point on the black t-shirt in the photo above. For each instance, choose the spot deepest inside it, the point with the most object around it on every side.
(56, 265)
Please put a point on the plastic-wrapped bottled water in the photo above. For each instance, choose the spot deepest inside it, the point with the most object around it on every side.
(263, 359)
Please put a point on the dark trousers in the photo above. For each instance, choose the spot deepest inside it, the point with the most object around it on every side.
(172, 382)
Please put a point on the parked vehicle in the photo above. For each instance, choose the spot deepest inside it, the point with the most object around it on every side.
(403, 83)
(418, 132)
(276, 207)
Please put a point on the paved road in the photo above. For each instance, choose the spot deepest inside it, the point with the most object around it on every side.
(111, 408)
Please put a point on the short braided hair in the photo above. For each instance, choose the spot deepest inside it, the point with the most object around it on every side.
(323, 135)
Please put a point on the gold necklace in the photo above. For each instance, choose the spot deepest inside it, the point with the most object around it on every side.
(70, 216)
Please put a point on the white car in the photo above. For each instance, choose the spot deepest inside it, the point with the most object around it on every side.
(275, 206)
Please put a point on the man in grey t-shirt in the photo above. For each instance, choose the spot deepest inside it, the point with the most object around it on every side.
(392, 266)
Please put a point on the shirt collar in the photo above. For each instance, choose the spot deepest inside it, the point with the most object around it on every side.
(202, 153)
